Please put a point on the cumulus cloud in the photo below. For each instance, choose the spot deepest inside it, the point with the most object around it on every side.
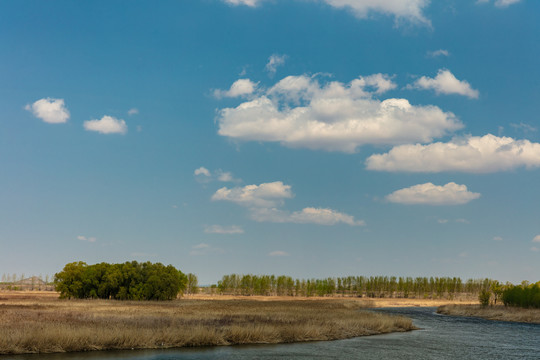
(411, 10)
(307, 215)
(472, 154)
(239, 88)
(445, 83)
(279, 253)
(429, 194)
(52, 111)
(133, 111)
(202, 171)
(107, 125)
(218, 229)
(84, 238)
(497, 238)
(437, 53)
(274, 61)
(536, 239)
(263, 195)
(298, 111)
(264, 200)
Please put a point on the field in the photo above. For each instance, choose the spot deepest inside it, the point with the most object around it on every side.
(38, 322)
(498, 312)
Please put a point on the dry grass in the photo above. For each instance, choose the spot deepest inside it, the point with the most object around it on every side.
(393, 302)
(498, 312)
(31, 323)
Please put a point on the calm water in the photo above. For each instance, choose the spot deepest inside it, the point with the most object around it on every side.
(441, 337)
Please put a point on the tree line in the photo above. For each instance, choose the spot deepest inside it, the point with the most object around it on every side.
(127, 281)
(524, 295)
(358, 286)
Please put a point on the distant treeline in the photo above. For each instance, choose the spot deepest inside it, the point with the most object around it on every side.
(127, 281)
(524, 295)
(358, 286)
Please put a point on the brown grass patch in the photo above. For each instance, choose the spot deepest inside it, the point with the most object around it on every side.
(498, 312)
(37, 324)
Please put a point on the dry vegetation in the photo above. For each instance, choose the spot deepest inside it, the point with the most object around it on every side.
(31, 323)
(498, 312)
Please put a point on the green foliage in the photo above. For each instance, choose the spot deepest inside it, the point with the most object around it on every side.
(484, 297)
(373, 286)
(127, 281)
(524, 295)
(192, 286)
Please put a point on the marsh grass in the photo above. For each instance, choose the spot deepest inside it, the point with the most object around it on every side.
(498, 312)
(44, 325)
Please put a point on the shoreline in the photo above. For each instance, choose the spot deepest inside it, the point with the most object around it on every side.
(496, 312)
(42, 323)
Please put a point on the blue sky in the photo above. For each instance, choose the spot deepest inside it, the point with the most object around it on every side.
(311, 138)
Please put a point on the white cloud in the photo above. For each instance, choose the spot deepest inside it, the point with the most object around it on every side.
(472, 154)
(218, 229)
(204, 249)
(263, 201)
(505, 3)
(84, 238)
(307, 215)
(411, 10)
(225, 176)
(497, 238)
(250, 3)
(241, 87)
(107, 125)
(263, 195)
(445, 83)
(535, 249)
(442, 221)
(202, 171)
(200, 246)
(499, 3)
(536, 239)
(299, 112)
(279, 253)
(204, 175)
(437, 53)
(429, 194)
(52, 111)
(526, 128)
(274, 61)
(133, 111)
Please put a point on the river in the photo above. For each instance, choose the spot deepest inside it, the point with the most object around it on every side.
(440, 337)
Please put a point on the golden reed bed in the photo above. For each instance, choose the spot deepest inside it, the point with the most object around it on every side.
(498, 312)
(33, 323)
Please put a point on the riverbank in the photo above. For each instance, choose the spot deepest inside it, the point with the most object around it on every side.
(42, 323)
(498, 312)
